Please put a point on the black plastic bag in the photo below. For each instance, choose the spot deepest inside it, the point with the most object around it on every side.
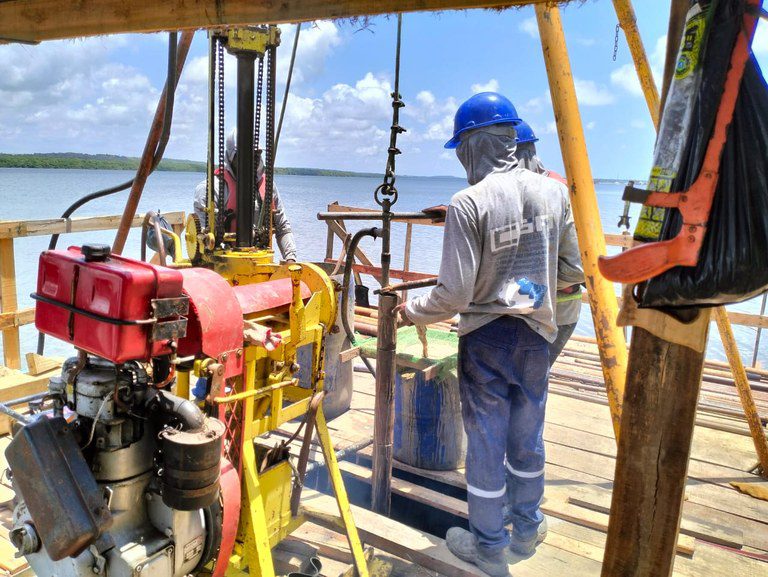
(733, 261)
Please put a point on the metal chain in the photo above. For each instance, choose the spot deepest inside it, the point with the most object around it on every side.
(616, 42)
(269, 144)
(220, 201)
(387, 188)
(257, 140)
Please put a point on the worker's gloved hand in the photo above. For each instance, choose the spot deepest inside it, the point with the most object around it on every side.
(404, 320)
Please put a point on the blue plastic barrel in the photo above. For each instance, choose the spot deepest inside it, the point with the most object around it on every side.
(338, 375)
(429, 432)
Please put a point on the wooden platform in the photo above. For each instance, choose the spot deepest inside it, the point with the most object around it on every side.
(724, 532)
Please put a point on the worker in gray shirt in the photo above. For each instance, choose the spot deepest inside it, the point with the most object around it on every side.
(280, 222)
(569, 298)
(509, 243)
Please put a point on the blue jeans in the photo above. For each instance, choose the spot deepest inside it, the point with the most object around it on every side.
(503, 372)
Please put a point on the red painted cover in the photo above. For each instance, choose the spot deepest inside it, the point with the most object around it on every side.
(117, 288)
(271, 294)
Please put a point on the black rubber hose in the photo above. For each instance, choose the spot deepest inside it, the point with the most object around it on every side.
(170, 94)
(348, 264)
(183, 410)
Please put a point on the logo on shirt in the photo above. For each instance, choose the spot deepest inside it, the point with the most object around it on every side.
(508, 236)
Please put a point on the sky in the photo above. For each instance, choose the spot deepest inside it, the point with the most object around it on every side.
(98, 95)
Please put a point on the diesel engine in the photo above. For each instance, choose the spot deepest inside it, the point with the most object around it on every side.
(121, 477)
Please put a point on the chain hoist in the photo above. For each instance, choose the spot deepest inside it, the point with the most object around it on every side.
(616, 42)
(257, 136)
(248, 45)
(385, 194)
(265, 231)
(220, 201)
(386, 190)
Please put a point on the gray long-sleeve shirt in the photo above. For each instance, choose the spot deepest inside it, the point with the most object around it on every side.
(502, 242)
(568, 305)
(281, 224)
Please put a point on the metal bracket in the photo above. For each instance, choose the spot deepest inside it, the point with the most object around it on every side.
(252, 39)
(216, 371)
(169, 330)
(170, 307)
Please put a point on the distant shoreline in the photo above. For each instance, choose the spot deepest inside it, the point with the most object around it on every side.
(76, 160)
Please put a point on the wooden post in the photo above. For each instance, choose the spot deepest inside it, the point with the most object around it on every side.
(661, 395)
(384, 409)
(9, 303)
(407, 253)
(742, 386)
(663, 381)
(626, 16)
(586, 214)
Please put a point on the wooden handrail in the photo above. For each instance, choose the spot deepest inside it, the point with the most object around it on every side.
(619, 240)
(45, 227)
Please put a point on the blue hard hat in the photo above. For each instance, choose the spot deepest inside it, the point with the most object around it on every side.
(482, 109)
(525, 133)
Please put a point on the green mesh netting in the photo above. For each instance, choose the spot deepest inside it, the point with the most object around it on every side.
(443, 349)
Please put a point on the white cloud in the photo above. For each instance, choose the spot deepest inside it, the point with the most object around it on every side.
(491, 86)
(425, 98)
(69, 95)
(536, 105)
(427, 107)
(530, 27)
(317, 42)
(590, 93)
(591, 125)
(441, 130)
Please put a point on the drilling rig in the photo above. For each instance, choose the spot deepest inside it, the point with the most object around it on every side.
(126, 475)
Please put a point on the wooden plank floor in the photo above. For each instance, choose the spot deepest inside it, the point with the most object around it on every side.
(723, 532)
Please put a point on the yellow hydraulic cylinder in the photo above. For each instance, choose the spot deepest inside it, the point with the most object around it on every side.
(628, 22)
(602, 299)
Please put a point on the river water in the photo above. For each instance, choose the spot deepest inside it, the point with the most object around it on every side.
(46, 193)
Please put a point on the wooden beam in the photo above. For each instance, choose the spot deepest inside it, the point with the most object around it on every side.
(341, 232)
(375, 271)
(35, 20)
(390, 536)
(38, 364)
(9, 304)
(663, 382)
(45, 227)
(336, 207)
(384, 409)
(742, 386)
(17, 319)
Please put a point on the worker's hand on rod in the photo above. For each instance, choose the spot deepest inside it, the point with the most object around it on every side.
(404, 320)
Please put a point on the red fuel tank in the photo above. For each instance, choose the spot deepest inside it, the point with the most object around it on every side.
(111, 306)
